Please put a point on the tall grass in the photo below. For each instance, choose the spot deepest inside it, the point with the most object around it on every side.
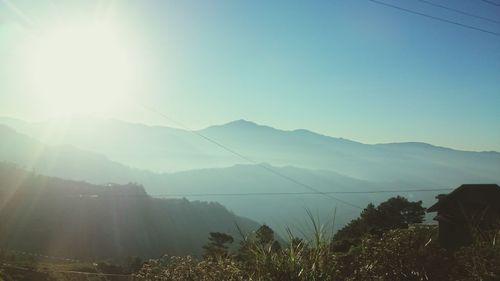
(401, 254)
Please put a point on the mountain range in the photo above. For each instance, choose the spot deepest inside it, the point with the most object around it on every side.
(173, 162)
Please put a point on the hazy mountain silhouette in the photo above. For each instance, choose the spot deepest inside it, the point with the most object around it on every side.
(64, 161)
(83, 152)
(75, 164)
(57, 217)
(166, 149)
(281, 209)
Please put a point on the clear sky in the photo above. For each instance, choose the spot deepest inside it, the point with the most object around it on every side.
(346, 68)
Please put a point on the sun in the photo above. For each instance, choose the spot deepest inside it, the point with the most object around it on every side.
(84, 68)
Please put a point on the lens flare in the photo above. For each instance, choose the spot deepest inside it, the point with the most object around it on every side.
(82, 69)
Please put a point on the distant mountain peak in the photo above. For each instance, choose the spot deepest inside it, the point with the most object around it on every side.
(241, 124)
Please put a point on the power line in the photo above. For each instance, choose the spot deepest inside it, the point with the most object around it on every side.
(459, 11)
(491, 3)
(435, 18)
(299, 193)
(96, 196)
(267, 168)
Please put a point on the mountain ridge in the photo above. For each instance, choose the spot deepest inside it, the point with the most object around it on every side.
(324, 166)
(81, 220)
(238, 123)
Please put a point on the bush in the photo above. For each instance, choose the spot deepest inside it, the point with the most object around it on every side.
(190, 269)
(481, 260)
(403, 254)
(411, 254)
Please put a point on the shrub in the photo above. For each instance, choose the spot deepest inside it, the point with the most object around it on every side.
(411, 254)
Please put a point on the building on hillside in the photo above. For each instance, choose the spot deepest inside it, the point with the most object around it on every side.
(468, 208)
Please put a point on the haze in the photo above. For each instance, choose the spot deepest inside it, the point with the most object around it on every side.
(347, 69)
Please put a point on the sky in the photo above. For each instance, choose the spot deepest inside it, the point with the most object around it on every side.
(346, 68)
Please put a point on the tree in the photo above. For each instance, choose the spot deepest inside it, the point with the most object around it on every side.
(398, 212)
(217, 244)
(264, 235)
(395, 213)
(261, 241)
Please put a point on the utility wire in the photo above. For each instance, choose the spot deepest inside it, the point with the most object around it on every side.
(267, 168)
(491, 3)
(459, 11)
(165, 195)
(299, 193)
(436, 18)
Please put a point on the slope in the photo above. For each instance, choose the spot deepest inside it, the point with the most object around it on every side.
(57, 217)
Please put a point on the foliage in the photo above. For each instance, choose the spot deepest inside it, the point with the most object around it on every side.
(189, 269)
(397, 212)
(481, 260)
(108, 221)
(217, 245)
(408, 254)
(19, 266)
(405, 253)
(401, 254)
(264, 235)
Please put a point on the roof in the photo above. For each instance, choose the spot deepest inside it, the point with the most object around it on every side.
(472, 192)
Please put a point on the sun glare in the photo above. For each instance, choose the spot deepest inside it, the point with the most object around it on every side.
(82, 69)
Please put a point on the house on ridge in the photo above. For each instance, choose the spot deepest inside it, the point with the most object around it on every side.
(468, 208)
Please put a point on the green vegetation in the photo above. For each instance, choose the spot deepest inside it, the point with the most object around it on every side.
(217, 244)
(386, 248)
(387, 242)
(77, 220)
(394, 213)
(21, 266)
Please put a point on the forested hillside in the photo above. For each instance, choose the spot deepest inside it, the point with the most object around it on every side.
(65, 218)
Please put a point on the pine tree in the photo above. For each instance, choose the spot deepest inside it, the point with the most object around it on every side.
(217, 245)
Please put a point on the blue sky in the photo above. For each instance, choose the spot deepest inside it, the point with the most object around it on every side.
(346, 68)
